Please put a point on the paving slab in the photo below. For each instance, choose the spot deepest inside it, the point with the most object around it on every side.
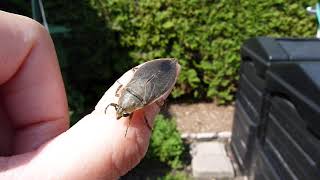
(210, 160)
(208, 148)
(224, 134)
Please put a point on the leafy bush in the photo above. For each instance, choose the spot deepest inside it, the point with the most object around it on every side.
(166, 144)
(175, 176)
(205, 36)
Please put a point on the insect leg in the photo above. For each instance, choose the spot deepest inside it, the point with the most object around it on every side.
(134, 69)
(130, 117)
(118, 89)
(160, 102)
(116, 106)
(147, 122)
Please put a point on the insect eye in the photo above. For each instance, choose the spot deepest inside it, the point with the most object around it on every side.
(126, 114)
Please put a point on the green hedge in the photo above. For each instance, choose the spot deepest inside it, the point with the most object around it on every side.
(204, 35)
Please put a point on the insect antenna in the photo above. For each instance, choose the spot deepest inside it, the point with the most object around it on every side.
(130, 117)
(116, 106)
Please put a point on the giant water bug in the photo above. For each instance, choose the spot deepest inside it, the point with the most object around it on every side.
(149, 84)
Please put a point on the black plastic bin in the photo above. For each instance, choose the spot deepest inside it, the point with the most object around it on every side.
(277, 117)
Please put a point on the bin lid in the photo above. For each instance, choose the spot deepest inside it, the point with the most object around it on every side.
(291, 67)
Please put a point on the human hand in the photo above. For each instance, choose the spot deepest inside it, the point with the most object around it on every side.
(35, 142)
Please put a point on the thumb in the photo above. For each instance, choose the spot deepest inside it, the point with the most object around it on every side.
(94, 148)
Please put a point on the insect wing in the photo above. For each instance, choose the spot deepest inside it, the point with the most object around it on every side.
(153, 79)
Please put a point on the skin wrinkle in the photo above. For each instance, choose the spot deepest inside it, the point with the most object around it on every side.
(131, 152)
(106, 161)
(52, 168)
(139, 141)
(115, 159)
(21, 92)
(144, 131)
(43, 42)
(108, 173)
(127, 157)
(15, 162)
(138, 145)
(12, 91)
(124, 158)
(132, 157)
(5, 162)
(34, 45)
(18, 67)
(137, 151)
(6, 132)
(42, 121)
(56, 128)
(30, 40)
